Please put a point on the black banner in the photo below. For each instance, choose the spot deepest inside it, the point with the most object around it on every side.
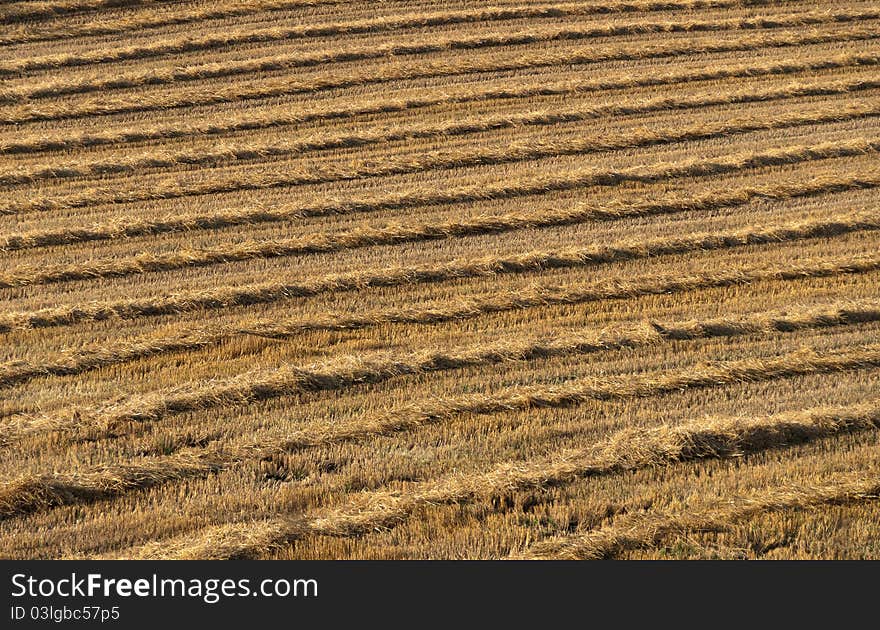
(128, 594)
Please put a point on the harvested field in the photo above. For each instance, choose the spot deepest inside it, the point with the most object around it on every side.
(515, 280)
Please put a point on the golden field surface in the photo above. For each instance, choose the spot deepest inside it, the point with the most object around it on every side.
(403, 279)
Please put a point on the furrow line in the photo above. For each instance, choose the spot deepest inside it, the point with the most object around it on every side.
(231, 296)
(627, 450)
(249, 151)
(460, 158)
(278, 33)
(649, 530)
(348, 372)
(40, 10)
(143, 133)
(94, 357)
(277, 87)
(55, 88)
(329, 242)
(31, 32)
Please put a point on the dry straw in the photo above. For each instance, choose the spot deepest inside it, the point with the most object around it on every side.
(347, 372)
(101, 25)
(399, 70)
(248, 150)
(454, 94)
(635, 448)
(505, 38)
